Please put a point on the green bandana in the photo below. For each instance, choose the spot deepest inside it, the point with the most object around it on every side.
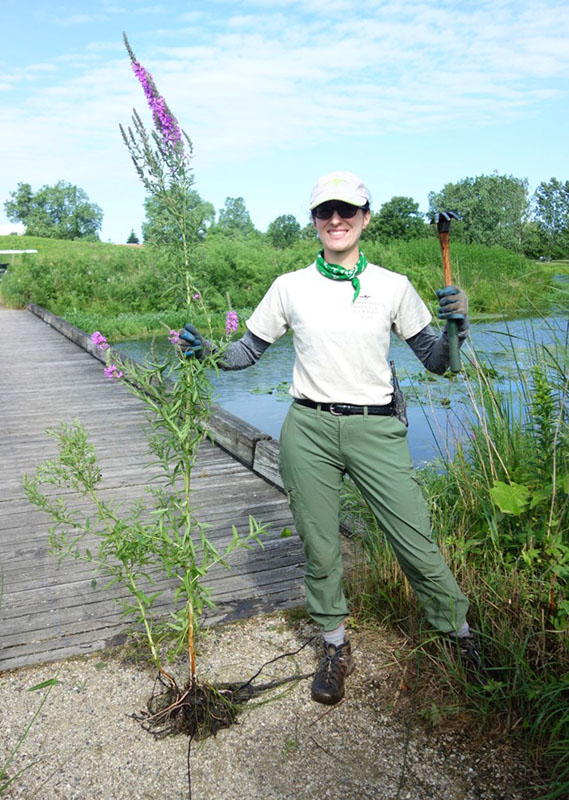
(338, 273)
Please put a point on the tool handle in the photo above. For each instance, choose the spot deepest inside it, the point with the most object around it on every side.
(445, 253)
(454, 351)
(452, 329)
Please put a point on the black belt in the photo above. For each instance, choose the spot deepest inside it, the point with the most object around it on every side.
(346, 409)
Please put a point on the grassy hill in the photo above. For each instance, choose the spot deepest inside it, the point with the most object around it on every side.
(129, 290)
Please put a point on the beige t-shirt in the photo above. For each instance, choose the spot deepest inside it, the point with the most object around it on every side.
(341, 346)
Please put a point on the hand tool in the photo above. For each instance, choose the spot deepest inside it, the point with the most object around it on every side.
(443, 220)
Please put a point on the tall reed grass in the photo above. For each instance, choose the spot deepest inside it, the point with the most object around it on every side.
(499, 508)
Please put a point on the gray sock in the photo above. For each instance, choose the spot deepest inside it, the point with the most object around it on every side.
(464, 631)
(335, 637)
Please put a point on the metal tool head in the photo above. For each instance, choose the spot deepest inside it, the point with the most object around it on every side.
(443, 220)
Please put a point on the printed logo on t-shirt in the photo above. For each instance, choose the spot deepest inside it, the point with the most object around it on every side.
(367, 307)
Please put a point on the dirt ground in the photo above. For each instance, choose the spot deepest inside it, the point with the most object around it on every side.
(380, 742)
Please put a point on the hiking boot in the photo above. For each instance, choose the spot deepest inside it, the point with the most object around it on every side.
(469, 653)
(336, 665)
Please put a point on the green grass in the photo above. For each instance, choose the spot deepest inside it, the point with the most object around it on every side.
(499, 508)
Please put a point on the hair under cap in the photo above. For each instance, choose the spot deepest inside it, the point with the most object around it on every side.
(339, 186)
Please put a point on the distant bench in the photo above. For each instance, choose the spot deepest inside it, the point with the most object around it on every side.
(4, 264)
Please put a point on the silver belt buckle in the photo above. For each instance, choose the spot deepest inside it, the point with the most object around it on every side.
(335, 413)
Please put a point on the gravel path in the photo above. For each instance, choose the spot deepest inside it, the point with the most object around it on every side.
(371, 745)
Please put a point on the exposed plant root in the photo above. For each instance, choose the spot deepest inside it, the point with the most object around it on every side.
(200, 710)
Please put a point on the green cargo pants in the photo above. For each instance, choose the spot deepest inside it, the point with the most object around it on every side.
(316, 449)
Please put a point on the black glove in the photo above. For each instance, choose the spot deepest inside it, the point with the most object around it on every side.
(453, 303)
(192, 342)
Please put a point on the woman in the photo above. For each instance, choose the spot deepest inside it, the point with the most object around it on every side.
(341, 311)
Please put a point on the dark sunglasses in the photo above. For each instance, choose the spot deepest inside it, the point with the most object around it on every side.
(326, 210)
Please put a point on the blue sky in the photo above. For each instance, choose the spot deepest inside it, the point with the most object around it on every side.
(410, 95)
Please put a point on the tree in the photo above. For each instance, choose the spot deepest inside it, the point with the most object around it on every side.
(551, 210)
(234, 219)
(308, 233)
(133, 238)
(399, 218)
(62, 211)
(283, 231)
(493, 209)
(163, 228)
(21, 205)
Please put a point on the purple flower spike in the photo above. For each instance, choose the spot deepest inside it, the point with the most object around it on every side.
(165, 122)
(196, 296)
(99, 341)
(231, 322)
(113, 372)
(173, 337)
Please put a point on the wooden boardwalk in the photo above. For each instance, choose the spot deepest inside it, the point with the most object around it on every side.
(48, 612)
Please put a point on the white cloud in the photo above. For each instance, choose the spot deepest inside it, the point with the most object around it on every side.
(157, 9)
(42, 67)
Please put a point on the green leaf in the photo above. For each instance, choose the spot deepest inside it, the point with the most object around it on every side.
(510, 498)
(285, 533)
(540, 495)
(43, 684)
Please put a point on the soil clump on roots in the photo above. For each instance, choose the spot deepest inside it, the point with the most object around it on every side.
(199, 710)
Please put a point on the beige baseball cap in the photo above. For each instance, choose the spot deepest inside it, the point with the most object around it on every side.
(339, 186)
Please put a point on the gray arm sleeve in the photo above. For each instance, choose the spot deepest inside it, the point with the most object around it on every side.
(432, 348)
(243, 353)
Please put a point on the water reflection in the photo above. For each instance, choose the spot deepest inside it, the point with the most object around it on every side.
(436, 408)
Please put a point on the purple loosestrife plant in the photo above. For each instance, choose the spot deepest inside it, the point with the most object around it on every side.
(161, 538)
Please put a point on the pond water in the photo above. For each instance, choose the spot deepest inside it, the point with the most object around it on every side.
(436, 408)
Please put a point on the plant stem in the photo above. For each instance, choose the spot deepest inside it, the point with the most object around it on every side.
(144, 616)
(191, 650)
